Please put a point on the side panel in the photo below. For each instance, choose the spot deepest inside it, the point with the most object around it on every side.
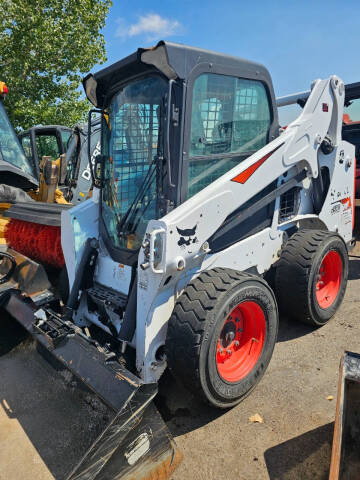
(110, 273)
(259, 251)
(78, 224)
(338, 209)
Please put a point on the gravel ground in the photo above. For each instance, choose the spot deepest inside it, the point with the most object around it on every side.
(294, 442)
(42, 429)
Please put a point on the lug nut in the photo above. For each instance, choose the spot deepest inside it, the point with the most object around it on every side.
(236, 343)
(229, 352)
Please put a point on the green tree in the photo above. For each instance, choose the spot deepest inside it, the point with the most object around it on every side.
(46, 46)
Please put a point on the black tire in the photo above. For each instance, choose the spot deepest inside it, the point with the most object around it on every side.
(297, 276)
(194, 329)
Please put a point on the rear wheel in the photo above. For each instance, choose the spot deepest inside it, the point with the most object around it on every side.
(311, 276)
(221, 335)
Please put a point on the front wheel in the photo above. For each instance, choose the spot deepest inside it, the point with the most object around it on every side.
(221, 335)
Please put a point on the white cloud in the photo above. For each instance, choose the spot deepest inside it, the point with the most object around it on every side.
(152, 25)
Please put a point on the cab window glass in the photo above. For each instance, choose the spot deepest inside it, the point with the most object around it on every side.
(10, 148)
(65, 138)
(47, 145)
(230, 116)
(26, 144)
(352, 112)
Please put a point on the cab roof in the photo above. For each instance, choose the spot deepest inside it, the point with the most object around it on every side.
(174, 60)
(44, 129)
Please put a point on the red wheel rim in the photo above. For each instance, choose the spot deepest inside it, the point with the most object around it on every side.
(328, 279)
(241, 341)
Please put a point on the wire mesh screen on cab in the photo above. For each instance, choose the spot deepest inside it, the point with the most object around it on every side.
(230, 116)
(133, 142)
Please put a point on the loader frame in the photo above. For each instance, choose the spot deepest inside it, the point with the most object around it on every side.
(293, 157)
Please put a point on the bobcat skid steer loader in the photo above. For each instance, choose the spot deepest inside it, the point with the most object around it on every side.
(197, 202)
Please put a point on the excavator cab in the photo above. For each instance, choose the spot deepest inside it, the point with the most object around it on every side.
(66, 148)
(45, 147)
(45, 140)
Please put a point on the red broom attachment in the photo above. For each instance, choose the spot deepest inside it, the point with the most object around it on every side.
(41, 243)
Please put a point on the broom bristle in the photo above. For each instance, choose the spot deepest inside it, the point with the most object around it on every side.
(42, 243)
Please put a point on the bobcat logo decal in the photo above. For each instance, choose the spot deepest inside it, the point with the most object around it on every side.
(187, 237)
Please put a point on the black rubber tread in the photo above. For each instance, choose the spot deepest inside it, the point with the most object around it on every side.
(189, 323)
(293, 275)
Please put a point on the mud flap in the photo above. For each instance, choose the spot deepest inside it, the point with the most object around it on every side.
(136, 444)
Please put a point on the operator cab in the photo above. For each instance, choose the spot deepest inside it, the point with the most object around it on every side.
(174, 119)
(44, 140)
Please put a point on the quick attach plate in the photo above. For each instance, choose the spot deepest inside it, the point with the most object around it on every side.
(53, 328)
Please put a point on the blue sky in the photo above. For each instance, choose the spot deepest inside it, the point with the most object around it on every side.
(298, 41)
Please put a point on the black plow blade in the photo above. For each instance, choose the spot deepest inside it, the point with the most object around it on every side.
(135, 443)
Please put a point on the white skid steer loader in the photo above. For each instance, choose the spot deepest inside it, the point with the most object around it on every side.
(203, 221)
